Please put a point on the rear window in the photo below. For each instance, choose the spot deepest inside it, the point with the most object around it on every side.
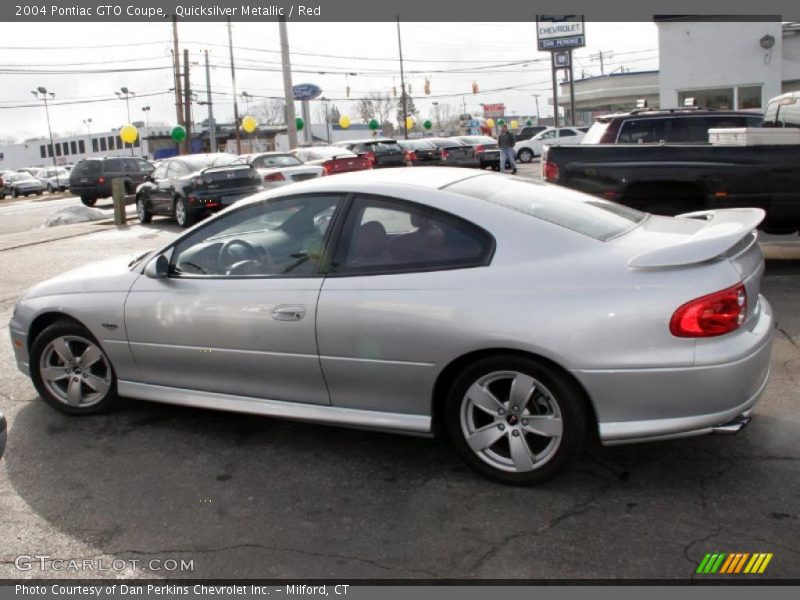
(595, 133)
(204, 161)
(278, 160)
(582, 213)
(317, 153)
(378, 147)
(86, 167)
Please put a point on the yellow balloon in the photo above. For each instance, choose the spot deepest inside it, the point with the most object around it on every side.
(344, 121)
(514, 124)
(490, 122)
(249, 124)
(128, 134)
(410, 122)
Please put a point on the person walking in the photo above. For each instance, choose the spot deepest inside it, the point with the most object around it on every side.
(506, 141)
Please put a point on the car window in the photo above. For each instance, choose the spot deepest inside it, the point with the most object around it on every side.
(646, 131)
(567, 133)
(546, 135)
(113, 165)
(143, 166)
(383, 235)
(595, 133)
(281, 238)
(174, 169)
(278, 160)
(582, 213)
(86, 167)
(161, 171)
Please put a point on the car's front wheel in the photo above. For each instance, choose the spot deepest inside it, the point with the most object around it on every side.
(525, 155)
(70, 370)
(141, 211)
(514, 419)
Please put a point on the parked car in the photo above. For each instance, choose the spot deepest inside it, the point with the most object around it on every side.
(420, 153)
(454, 153)
(783, 111)
(281, 168)
(486, 149)
(54, 179)
(3, 434)
(21, 184)
(671, 126)
(91, 177)
(2, 184)
(425, 306)
(333, 159)
(382, 152)
(527, 133)
(191, 186)
(29, 170)
(527, 150)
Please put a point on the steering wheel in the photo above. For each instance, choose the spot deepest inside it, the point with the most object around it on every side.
(239, 255)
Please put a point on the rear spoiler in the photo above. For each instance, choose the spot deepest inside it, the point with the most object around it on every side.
(724, 229)
(228, 166)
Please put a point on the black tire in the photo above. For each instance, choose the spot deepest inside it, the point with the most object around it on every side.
(88, 201)
(525, 155)
(183, 215)
(39, 193)
(559, 397)
(145, 216)
(42, 355)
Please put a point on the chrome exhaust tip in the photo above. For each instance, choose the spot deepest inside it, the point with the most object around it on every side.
(734, 426)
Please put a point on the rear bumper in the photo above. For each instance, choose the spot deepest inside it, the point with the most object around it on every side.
(634, 405)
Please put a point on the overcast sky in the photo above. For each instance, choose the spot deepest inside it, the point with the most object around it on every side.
(368, 49)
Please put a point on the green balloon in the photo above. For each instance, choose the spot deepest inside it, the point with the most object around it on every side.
(373, 124)
(501, 122)
(427, 124)
(529, 122)
(178, 133)
(299, 123)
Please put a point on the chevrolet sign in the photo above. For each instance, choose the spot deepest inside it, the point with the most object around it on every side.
(556, 32)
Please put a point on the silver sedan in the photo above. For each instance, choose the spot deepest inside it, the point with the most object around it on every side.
(516, 316)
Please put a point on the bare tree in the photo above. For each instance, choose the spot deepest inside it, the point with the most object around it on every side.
(270, 112)
(375, 106)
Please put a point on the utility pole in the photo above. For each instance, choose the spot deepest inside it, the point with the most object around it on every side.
(571, 91)
(233, 85)
(536, 96)
(599, 57)
(402, 81)
(187, 110)
(176, 59)
(212, 126)
(43, 91)
(555, 91)
(88, 123)
(288, 91)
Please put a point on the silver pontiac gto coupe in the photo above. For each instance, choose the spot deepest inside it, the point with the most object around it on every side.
(517, 316)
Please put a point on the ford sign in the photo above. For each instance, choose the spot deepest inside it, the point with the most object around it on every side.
(306, 91)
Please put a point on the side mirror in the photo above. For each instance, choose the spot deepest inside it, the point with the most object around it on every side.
(158, 268)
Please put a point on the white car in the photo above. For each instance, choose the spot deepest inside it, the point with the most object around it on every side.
(53, 179)
(527, 150)
(281, 168)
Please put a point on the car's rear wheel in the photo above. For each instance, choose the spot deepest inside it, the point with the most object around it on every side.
(70, 370)
(88, 201)
(525, 155)
(145, 216)
(183, 215)
(515, 420)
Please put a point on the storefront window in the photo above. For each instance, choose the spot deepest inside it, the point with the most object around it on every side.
(714, 98)
(749, 96)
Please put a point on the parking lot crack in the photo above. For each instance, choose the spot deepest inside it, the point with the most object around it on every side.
(789, 337)
(575, 511)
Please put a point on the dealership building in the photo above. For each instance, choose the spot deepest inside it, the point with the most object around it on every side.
(735, 65)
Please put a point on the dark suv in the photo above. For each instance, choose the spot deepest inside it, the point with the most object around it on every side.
(673, 126)
(91, 178)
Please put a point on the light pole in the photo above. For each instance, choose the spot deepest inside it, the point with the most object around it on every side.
(437, 115)
(327, 118)
(43, 91)
(88, 123)
(124, 92)
(146, 111)
(536, 96)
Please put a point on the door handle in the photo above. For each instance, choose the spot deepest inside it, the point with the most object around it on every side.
(289, 312)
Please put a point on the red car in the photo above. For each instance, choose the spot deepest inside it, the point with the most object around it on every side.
(333, 159)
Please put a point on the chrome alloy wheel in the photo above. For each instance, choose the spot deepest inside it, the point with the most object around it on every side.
(511, 421)
(75, 371)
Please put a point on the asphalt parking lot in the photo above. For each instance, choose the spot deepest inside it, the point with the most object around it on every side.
(247, 497)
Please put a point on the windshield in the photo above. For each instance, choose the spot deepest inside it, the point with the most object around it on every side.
(585, 214)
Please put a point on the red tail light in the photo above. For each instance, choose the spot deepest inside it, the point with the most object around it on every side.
(445, 154)
(478, 148)
(714, 314)
(101, 179)
(274, 177)
(328, 166)
(411, 156)
(370, 156)
(550, 171)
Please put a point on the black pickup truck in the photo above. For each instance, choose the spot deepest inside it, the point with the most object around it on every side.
(673, 178)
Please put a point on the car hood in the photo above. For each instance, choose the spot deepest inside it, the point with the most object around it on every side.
(110, 275)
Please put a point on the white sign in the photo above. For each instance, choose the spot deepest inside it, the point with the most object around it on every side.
(558, 32)
(549, 31)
